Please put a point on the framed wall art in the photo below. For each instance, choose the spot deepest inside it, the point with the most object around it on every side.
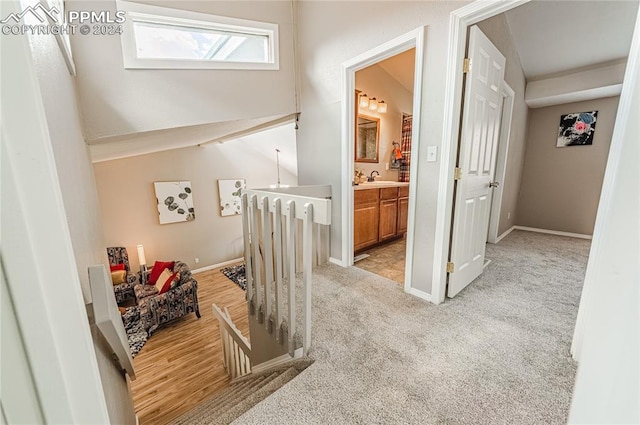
(230, 192)
(577, 129)
(175, 201)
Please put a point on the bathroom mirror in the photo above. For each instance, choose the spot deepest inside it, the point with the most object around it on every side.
(367, 138)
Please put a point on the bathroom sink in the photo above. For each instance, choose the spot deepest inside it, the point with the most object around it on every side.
(380, 183)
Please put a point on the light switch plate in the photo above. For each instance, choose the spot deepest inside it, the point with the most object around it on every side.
(432, 153)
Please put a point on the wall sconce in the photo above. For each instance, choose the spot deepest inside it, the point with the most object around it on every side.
(372, 104)
(142, 260)
(364, 101)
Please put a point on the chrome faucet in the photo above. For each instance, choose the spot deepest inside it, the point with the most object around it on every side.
(371, 178)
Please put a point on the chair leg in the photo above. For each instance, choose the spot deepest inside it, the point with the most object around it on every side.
(198, 313)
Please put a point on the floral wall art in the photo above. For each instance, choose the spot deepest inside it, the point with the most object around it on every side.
(577, 129)
(175, 201)
(230, 192)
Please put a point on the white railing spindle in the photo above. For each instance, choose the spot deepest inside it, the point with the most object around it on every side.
(247, 247)
(267, 249)
(291, 258)
(277, 237)
(307, 261)
(255, 257)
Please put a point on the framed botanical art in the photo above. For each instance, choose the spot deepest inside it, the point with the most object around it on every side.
(175, 201)
(577, 129)
(230, 192)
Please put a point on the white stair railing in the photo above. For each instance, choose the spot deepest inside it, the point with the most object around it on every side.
(236, 349)
(276, 252)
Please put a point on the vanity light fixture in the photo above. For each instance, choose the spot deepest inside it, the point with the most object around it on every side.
(364, 101)
(382, 107)
(373, 104)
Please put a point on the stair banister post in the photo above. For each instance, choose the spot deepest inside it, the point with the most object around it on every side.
(268, 259)
(277, 221)
(291, 259)
(247, 247)
(307, 264)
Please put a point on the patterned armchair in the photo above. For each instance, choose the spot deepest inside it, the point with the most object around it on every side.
(118, 255)
(158, 309)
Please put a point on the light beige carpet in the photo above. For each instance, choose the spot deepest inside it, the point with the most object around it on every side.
(497, 353)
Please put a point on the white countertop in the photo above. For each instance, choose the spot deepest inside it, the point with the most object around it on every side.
(379, 185)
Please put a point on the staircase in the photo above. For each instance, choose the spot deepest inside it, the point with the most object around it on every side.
(242, 395)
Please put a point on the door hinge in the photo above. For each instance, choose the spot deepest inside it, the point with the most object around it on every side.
(457, 173)
(466, 65)
(450, 267)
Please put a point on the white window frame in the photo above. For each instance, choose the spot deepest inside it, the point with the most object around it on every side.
(164, 15)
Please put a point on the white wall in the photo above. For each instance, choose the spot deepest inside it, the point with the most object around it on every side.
(376, 82)
(333, 32)
(48, 144)
(607, 384)
(115, 101)
(128, 201)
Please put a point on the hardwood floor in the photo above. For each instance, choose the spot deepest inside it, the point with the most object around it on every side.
(181, 364)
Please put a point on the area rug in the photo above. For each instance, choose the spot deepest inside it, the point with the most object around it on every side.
(236, 274)
(136, 334)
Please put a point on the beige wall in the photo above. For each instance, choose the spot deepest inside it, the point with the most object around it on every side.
(77, 184)
(128, 202)
(378, 83)
(331, 33)
(497, 30)
(116, 101)
(561, 186)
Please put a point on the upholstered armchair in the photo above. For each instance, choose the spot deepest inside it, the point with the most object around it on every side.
(158, 309)
(118, 255)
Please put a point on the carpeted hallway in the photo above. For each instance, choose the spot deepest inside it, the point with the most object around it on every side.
(497, 353)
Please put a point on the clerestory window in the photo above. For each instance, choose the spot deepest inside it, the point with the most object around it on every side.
(162, 38)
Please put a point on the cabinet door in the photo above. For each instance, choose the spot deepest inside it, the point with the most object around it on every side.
(403, 214)
(365, 225)
(388, 218)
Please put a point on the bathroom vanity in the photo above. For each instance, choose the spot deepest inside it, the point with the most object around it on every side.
(380, 213)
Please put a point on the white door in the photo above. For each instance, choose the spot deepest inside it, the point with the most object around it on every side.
(478, 146)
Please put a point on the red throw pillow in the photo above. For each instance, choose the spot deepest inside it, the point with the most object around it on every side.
(165, 281)
(157, 269)
(117, 267)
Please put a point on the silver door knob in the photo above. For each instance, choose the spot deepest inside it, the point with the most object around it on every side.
(494, 184)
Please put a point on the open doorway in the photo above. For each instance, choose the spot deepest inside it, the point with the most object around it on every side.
(382, 162)
(404, 197)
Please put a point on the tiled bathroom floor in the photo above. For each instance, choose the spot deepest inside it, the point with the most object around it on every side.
(386, 260)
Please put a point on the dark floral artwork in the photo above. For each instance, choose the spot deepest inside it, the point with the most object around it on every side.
(577, 129)
(175, 201)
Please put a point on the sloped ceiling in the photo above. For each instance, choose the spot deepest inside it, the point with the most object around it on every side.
(110, 148)
(402, 68)
(556, 36)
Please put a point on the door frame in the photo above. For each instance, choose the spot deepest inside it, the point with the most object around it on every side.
(501, 161)
(413, 39)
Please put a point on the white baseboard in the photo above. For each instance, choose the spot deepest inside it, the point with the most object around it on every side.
(277, 361)
(216, 266)
(418, 293)
(336, 261)
(553, 232)
(505, 234)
